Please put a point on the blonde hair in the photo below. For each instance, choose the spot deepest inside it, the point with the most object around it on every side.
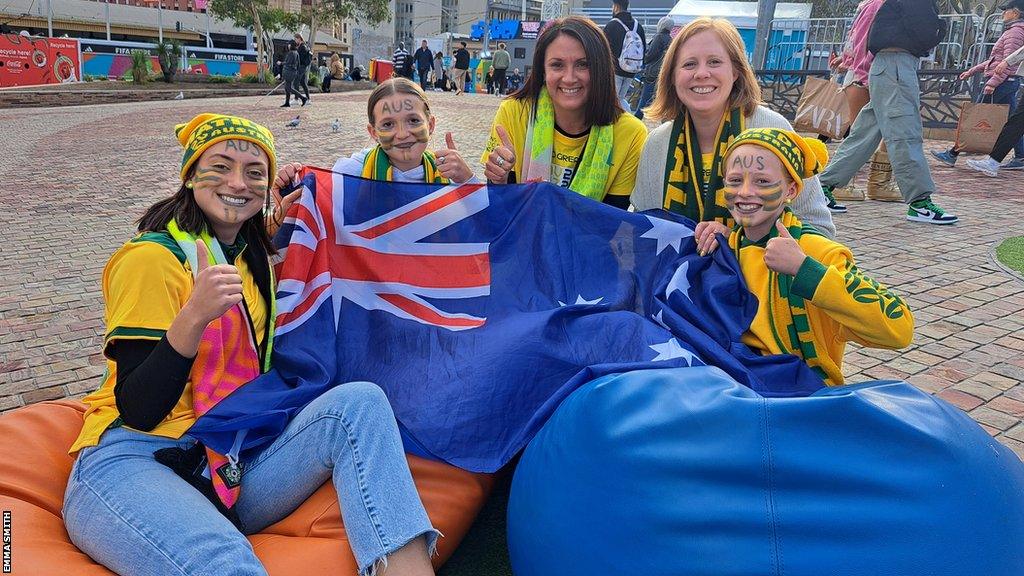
(392, 87)
(746, 92)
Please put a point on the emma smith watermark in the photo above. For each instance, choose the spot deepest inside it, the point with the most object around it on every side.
(7, 541)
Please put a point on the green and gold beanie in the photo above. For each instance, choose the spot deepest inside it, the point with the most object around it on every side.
(802, 157)
(205, 130)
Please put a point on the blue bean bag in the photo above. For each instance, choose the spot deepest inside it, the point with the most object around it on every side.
(684, 471)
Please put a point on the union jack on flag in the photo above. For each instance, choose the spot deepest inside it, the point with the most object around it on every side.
(381, 263)
(478, 309)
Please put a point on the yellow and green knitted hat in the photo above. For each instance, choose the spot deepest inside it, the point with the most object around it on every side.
(802, 157)
(205, 130)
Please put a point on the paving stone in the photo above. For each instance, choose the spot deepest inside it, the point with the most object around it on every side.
(986, 415)
(961, 400)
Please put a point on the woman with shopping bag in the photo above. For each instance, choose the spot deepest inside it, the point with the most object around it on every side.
(1000, 86)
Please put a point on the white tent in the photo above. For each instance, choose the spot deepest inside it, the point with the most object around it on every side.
(741, 14)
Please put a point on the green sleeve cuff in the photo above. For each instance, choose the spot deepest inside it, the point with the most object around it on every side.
(808, 277)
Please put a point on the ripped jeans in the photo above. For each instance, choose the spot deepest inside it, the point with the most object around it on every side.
(136, 516)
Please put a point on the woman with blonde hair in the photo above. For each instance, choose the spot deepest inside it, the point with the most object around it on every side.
(706, 95)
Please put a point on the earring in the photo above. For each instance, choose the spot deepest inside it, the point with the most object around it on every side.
(789, 200)
(188, 184)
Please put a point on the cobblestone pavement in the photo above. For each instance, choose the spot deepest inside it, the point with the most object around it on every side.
(74, 179)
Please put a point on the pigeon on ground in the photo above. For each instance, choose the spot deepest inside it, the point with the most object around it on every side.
(180, 96)
(336, 125)
(294, 122)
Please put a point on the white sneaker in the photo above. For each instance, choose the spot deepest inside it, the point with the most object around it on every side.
(986, 166)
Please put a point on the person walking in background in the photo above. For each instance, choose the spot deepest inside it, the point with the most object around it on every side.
(500, 62)
(289, 70)
(439, 79)
(399, 59)
(461, 68)
(305, 59)
(1012, 131)
(424, 60)
(626, 37)
(652, 63)
(901, 33)
(853, 67)
(1001, 85)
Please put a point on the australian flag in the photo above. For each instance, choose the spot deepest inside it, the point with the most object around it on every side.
(479, 308)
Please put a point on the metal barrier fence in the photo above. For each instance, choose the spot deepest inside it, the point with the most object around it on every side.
(806, 44)
(799, 48)
(942, 93)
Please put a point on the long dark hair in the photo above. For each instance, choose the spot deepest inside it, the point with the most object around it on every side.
(603, 105)
(182, 207)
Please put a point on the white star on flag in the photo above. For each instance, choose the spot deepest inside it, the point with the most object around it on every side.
(666, 233)
(679, 282)
(671, 350)
(659, 319)
(581, 300)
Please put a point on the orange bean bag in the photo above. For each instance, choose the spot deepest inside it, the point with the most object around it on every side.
(34, 468)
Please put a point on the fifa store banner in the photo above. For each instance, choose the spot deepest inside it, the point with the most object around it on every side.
(32, 61)
(114, 59)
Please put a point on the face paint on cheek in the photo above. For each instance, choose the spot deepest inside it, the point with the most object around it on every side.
(386, 139)
(771, 198)
(207, 176)
(730, 199)
(421, 134)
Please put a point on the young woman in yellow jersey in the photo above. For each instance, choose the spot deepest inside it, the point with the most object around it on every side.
(813, 298)
(565, 125)
(189, 317)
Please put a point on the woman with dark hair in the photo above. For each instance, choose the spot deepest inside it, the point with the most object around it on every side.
(289, 73)
(707, 94)
(565, 125)
(190, 318)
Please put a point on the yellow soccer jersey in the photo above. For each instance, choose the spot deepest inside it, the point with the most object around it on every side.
(629, 136)
(145, 285)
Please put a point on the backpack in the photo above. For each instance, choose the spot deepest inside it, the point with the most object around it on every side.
(631, 58)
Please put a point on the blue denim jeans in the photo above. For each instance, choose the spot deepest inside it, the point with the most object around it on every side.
(136, 516)
(622, 85)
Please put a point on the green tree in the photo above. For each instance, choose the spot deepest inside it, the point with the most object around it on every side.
(169, 55)
(258, 15)
(327, 11)
(264, 20)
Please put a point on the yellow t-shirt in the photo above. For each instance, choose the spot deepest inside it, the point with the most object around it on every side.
(628, 136)
(145, 285)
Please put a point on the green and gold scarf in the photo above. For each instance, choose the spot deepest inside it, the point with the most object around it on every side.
(591, 176)
(377, 166)
(787, 313)
(685, 192)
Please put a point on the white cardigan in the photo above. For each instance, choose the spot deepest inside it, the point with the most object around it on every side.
(810, 206)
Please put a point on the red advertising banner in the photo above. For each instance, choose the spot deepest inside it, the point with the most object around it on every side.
(26, 61)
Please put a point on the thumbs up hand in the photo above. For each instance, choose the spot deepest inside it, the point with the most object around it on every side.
(217, 288)
(450, 163)
(783, 254)
(502, 159)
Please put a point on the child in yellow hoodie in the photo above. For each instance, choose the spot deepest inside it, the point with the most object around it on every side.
(813, 298)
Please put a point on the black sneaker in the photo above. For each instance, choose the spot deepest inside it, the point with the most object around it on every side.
(833, 206)
(928, 211)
